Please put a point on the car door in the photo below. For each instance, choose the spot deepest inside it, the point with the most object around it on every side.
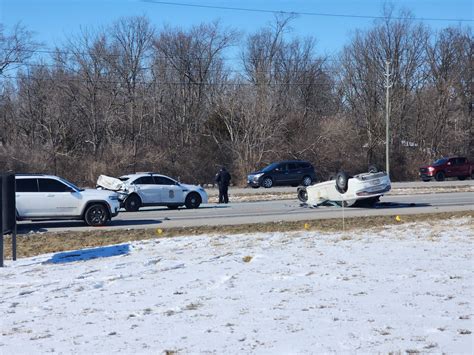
(28, 201)
(295, 173)
(58, 199)
(451, 167)
(280, 174)
(171, 191)
(462, 168)
(149, 192)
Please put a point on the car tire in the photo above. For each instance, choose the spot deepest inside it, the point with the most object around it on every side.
(132, 203)
(373, 169)
(193, 200)
(439, 176)
(462, 178)
(342, 182)
(267, 182)
(96, 215)
(302, 194)
(307, 180)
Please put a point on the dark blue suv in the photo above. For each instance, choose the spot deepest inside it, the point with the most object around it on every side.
(287, 172)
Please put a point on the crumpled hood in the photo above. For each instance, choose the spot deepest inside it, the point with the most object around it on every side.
(110, 183)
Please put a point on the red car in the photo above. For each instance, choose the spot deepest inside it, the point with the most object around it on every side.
(443, 168)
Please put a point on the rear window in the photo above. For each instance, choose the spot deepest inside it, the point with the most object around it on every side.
(144, 180)
(161, 180)
(26, 185)
(305, 165)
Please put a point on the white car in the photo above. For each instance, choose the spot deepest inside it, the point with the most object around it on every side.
(51, 197)
(363, 189)
(151, 189)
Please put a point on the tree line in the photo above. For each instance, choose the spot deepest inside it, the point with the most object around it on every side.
(130, 97)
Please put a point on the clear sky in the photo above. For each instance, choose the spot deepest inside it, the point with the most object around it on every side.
(53, 20)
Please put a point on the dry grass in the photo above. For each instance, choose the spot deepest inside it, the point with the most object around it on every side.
(41, 243)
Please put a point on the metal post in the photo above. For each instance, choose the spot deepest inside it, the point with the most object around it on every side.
(1, 222)
(388, 85)
(14, 231)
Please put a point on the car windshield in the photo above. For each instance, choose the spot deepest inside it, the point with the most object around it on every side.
(270, 167)
(440, 161)
(70, 184)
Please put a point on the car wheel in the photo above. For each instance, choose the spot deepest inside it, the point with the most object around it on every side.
(342, 182)
(267, 182)
(132, 203)
(461, 178)
(439, 176)
(307, 181)
(302, 194)
(373, 169)
(96, 215)
(193, 200)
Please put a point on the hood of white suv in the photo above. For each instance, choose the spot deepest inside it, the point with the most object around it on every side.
(101, 194)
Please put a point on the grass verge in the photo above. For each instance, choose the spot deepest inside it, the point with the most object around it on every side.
(42, 243)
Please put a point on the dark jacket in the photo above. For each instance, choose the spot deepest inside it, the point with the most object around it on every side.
(223, 177)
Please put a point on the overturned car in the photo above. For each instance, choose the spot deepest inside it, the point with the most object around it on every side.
(151, 189)
(364, 189)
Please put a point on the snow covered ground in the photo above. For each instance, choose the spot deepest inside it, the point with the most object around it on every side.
(404, 288)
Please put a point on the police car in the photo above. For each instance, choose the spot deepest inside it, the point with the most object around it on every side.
(152, 189)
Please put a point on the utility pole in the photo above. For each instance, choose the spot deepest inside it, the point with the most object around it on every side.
(388, 85)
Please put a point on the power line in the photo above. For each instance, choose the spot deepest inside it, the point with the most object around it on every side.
(72, 52)
(140, 82)
(305, 13)
(168, 68)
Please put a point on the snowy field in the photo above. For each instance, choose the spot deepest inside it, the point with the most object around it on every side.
(404, 288)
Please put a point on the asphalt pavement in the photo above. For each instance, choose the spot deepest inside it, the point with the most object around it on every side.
(262, 211)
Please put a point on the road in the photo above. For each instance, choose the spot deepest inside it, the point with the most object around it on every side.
(264, 211)
(434, 185)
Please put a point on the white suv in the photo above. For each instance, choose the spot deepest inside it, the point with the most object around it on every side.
(150, 189)
(51, 197)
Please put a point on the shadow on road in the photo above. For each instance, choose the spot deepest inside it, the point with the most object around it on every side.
(399, 205)
(162, 209)
(39, 227)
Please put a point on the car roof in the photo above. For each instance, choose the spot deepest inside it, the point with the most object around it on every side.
(292, 161)
(24, 176)
(129, 176)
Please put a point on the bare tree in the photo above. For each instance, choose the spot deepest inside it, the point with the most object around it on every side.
(16, 47)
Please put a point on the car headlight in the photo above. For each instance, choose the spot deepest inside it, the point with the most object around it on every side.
(257, 176)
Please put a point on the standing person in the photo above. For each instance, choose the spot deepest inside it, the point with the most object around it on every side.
(223, 180)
